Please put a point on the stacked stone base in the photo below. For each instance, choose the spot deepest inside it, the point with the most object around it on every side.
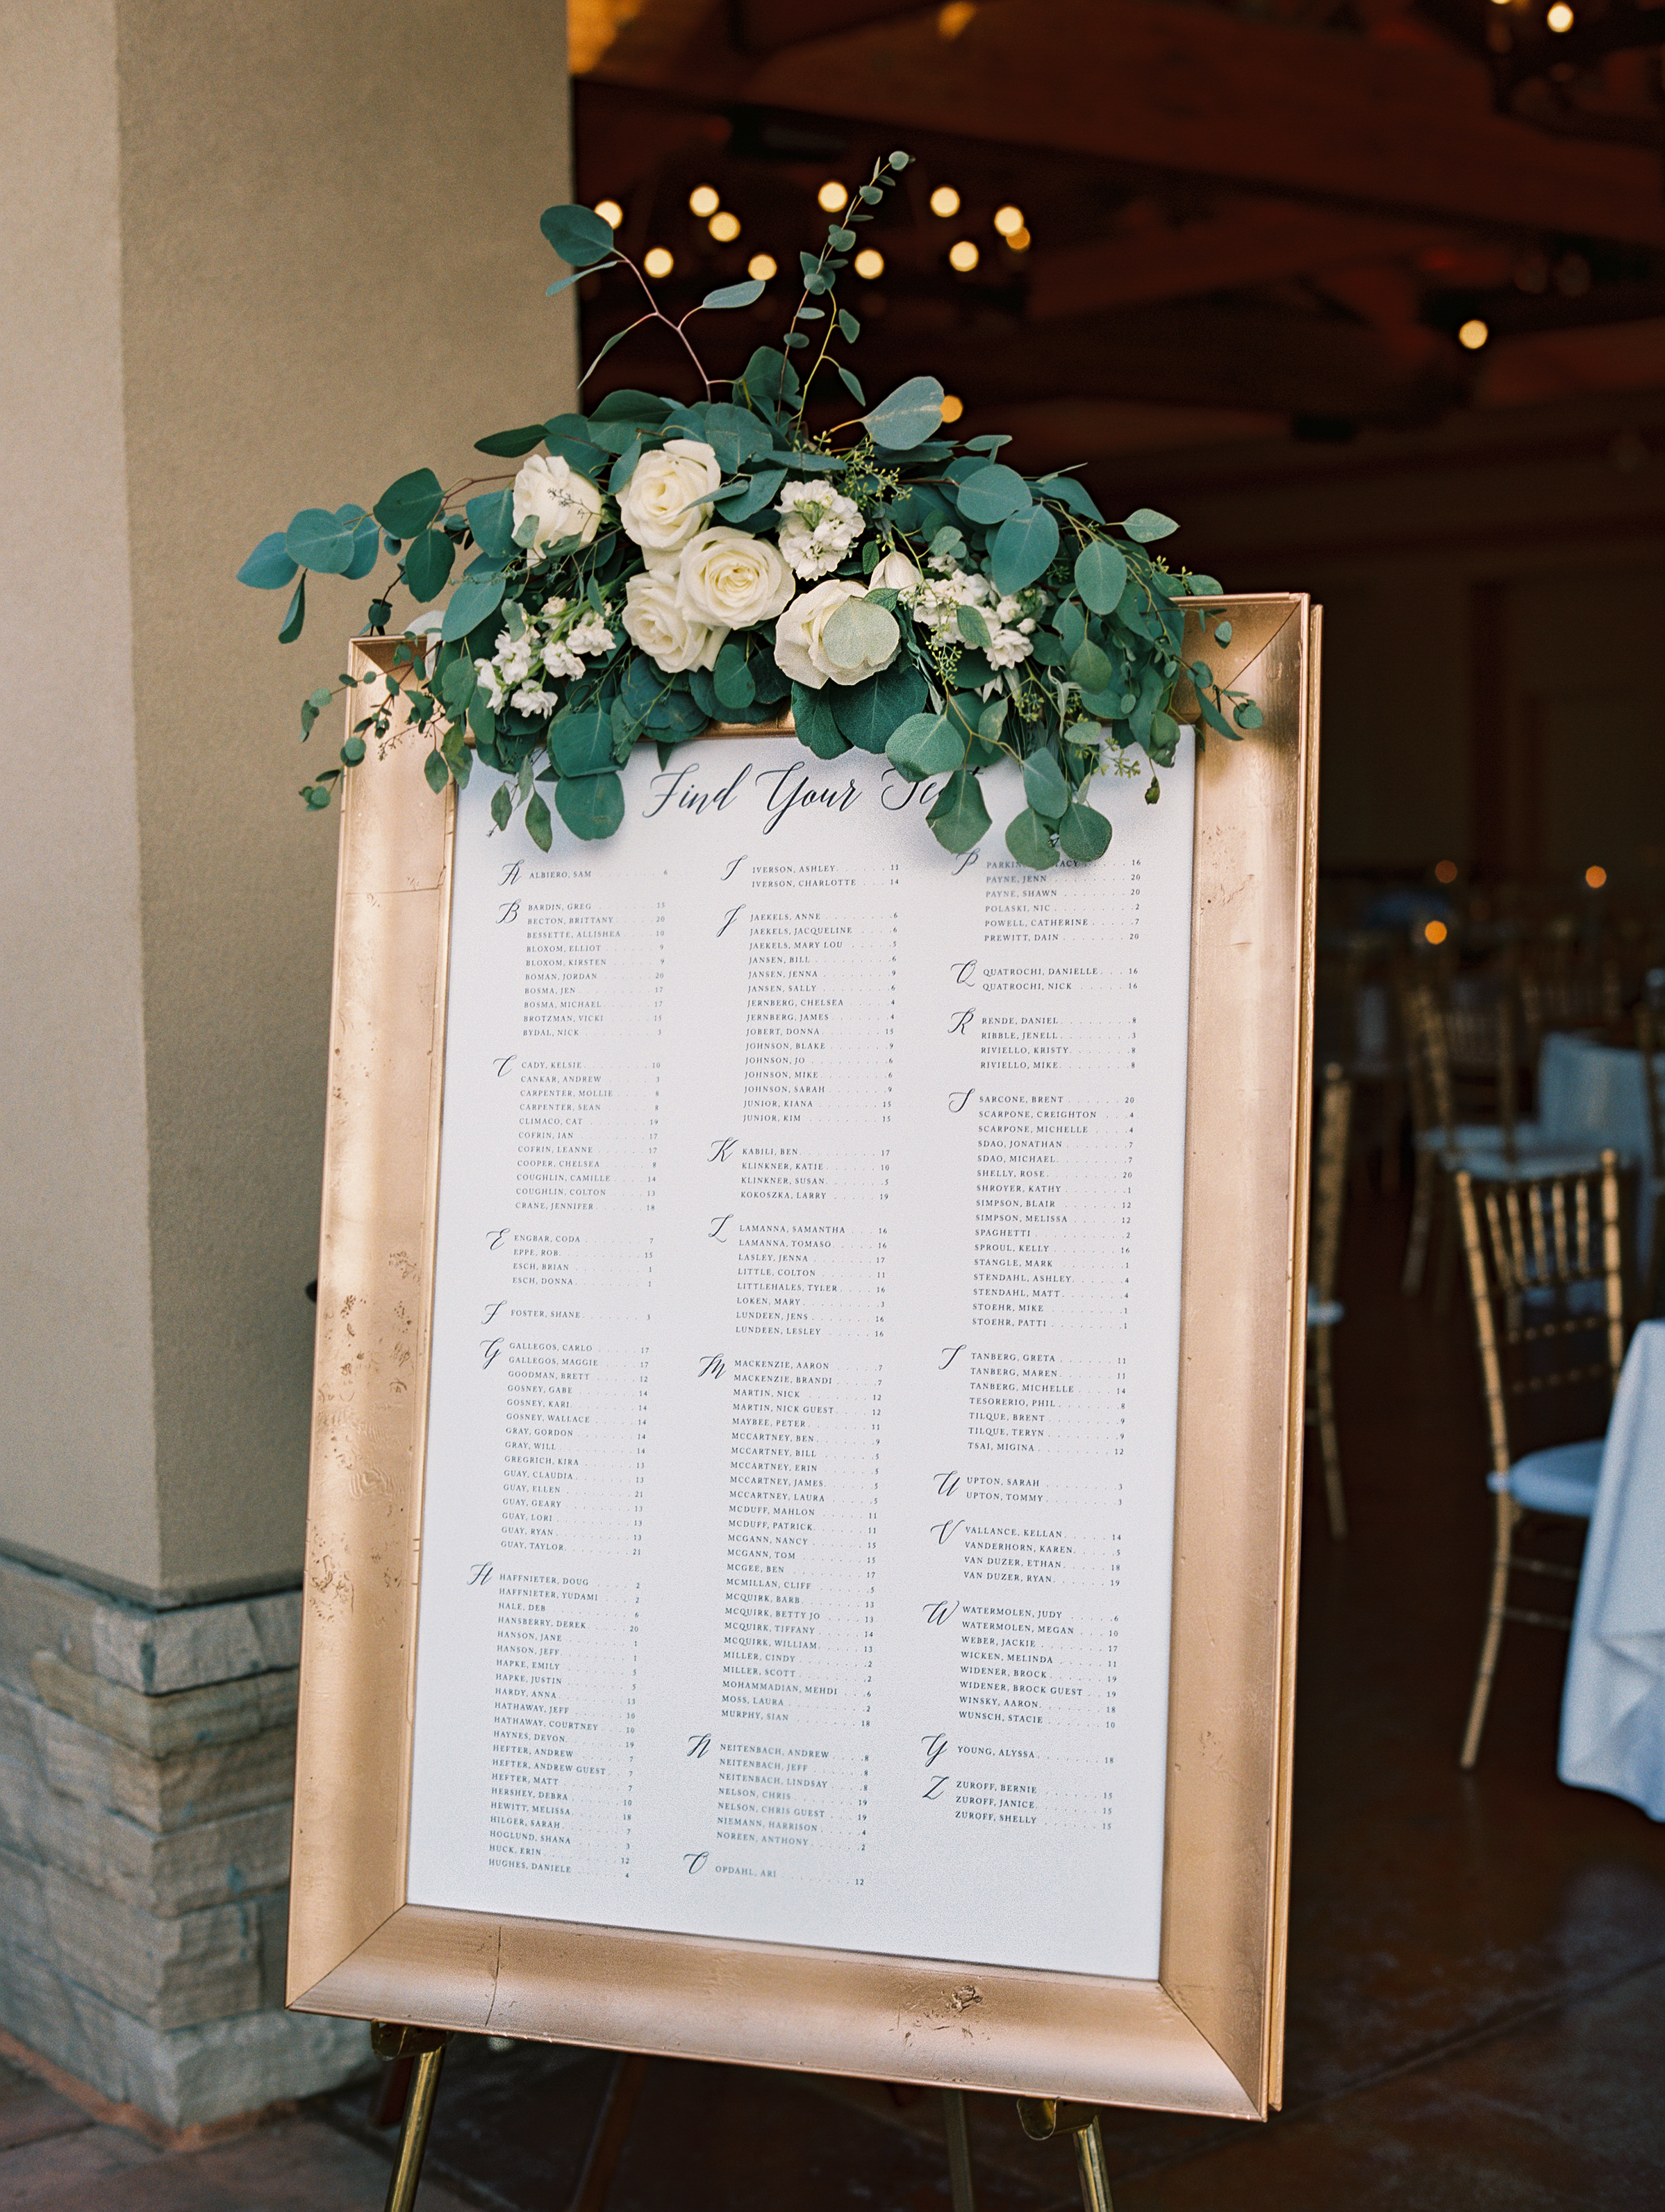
(147, 1768)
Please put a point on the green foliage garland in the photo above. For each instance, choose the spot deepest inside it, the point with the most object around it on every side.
(659, 567)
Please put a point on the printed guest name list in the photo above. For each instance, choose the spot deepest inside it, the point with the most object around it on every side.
(796, 1525)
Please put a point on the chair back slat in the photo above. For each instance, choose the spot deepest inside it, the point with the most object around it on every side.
(1548, 1301)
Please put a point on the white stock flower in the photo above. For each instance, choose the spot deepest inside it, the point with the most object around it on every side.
(729, 580)
(819, 526)
(667, 500)
(564, 503)
(813, 648)
(530, 699)
(657, 626)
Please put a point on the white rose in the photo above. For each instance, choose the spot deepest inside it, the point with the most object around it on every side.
(657, 626)
(895, 572)
(565, 504)
(816, 640)
(727, 577)
(667, 500)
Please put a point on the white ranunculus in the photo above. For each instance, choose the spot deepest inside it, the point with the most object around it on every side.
(564, 503)
(667, 500)
(895, 572)
(657, 626)
(817, 642)
(730, 578)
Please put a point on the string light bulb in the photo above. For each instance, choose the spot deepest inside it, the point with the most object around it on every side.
(944, 201)
(1445, 872)
(611, 213)
(1008, 220)
(658, 262)
(1560, 17)
(762, 266)
(1435, 933)
(832, 196)
(1018, 240)
(704, 200)
(1473, 334)
(870, 262)
(963, 255)
(1595, 878)
(952, 408)
(725, 227)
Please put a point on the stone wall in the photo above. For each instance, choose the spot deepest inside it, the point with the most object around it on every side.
(147, 1766)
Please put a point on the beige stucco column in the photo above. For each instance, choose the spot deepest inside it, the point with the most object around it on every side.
(253, 260)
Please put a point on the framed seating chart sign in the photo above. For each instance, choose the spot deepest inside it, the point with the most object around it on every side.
(804, 1491)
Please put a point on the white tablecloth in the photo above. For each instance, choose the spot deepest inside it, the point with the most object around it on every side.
(1613, 1711)
(1591, 1094)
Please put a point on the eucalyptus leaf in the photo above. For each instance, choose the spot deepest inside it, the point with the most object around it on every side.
(1044, 785)
(736, 296)
(1145, 525)
(353, 752)
(851, 384)
(813, 717)
(474, 598)
(1101, 575)
(410, 504)
(269, 567)
(1090, 666)
(859, 631)
(868, 713)
(643, 409)
(562, 283)
(318, 541)
(367, 545)
(732, 679)
(1029, 840)
(1024, 549)
(591, 806)
(958, 817)
(972, 628)
(438, 775)
(428, 565)
(1222, 633)
(991, 493)
(1083, 834)
(296, 616)
(926, 745)
(538, 827)
(577, 234)
(491, 518)
(1247, 716)
(502, 805)
(581, 744)
(908, 416)
(509, 445)
(1071, 625)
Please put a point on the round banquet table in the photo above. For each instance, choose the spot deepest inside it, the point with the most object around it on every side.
(1613, 1710)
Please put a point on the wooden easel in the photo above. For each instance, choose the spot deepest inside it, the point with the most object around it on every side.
(422, 2051)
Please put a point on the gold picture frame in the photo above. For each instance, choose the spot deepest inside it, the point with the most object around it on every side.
(1206, 2036)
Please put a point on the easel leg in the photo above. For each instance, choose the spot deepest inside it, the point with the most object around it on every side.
(959, 2150)
(426, 2046)
(1042, 2117)
(612, 2126)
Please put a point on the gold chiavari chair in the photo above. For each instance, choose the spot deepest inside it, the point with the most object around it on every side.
(1546, 1266)
(1649, 1049)
(1433, 1034)
(1568, 998)
(1324, 1310)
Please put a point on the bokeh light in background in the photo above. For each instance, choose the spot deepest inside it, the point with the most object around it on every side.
(658, 262)
(1595, 876)
(963, 255)
(704, 199)
(870, 262)
(1435, 932)
(832, 195)
(762, 266)
(725, 228)
(1473, 334)
(952, 408)
(1008, 221)
(611, 213)
(1445, 872)
(944, 201)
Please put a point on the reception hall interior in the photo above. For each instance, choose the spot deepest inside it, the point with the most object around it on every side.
(1369, 296)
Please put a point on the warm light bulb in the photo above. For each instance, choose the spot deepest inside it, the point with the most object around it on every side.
(762, 266)
(1560, 17)
(1018, 240)
(704, 200)
(1008, 219)
(870, 262)
(725, 228)
(1445, 872)
(1473, 334)
(1595, 878)
(658, 262)
(832, 195)
(944, 201)
(962, 255)
(1434, 932)
(611, 213)
(952, 19)
(952, 408)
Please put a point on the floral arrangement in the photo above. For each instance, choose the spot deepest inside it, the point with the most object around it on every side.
(663, 565)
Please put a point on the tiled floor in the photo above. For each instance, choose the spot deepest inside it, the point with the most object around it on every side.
(1477, 1970)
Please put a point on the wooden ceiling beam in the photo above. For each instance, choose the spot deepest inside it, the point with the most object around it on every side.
(1310, 113)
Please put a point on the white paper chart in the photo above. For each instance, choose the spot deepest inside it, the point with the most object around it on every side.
(798, 1521)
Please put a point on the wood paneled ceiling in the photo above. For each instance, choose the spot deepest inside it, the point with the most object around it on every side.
(1270, 215)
